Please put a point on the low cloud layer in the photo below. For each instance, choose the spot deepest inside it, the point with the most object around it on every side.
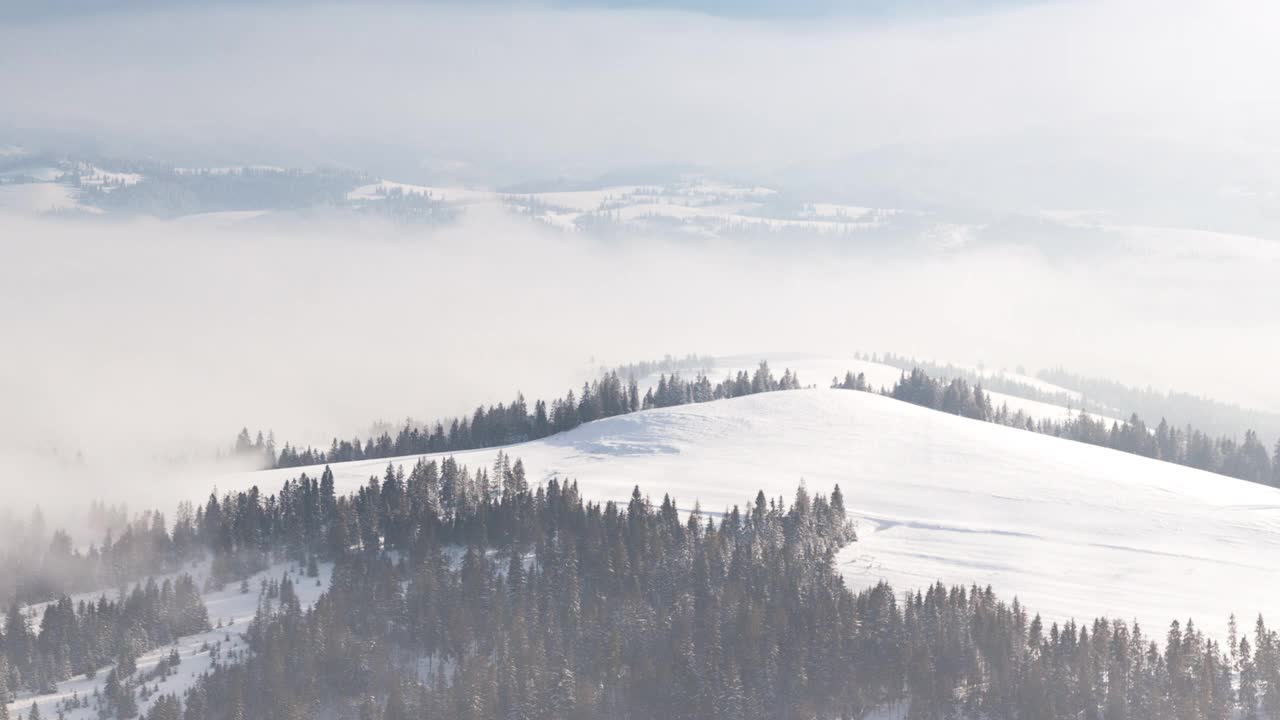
(136, 342)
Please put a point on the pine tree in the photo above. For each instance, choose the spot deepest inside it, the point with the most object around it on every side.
(396, 708)
(4, 684)
(166, 707)
(1275, 466)
(731, 702)
(243, 445)
(1248, 674)
(564, 699)
(518, 479)
(197, 706)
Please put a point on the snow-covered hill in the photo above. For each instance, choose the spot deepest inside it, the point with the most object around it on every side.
(230, 614)
(820, 370)
(698, 206)
(1073, 530)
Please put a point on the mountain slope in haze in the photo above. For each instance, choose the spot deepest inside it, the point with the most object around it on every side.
(1071, 529)
(232, 612)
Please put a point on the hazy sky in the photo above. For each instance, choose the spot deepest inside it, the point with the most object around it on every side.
(727, 8)
(1062, 97)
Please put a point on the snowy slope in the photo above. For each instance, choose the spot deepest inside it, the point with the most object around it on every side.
(819, 370)
(700, 206)
(35, 198)
(1073, 530)
(230, 613)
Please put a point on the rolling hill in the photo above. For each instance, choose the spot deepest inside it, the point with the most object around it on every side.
(1071, 529)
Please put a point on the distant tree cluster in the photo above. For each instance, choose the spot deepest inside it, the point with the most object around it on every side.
(675, 390)
(998, 382)
(851, 382)
(171, 193)
(260, 450)
(409, 205)
(1246, 460)
(78, 639)
(504, 424)
(669, 364)
(1212, 416)
(956, 396)
(38, 565)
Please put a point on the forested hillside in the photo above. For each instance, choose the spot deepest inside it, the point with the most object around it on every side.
(503, 424)
(472, 593)
(1246, 459)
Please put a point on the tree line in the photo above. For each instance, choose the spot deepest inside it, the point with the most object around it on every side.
(37, 564)
(517, 421)
(1247, 459)
(81, 638)
(999, 382)
(1213, 416)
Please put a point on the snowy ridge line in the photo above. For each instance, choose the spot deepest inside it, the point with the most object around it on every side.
(1074, 530)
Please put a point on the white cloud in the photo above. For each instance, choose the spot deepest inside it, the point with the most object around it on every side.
(131, 339)
(592, 89)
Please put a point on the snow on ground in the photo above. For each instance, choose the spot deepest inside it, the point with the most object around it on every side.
(228, 170)
(589, 200)
(1034, 383)
(729, 215)
(39, 173)
(230, 613)
(843, 212)
(1073, 530)
(106, 179)
(1041, 410)
(819, 370)
(453, 195)
(1193, 244)
(220, 218)
(700, 205)
(37, 198)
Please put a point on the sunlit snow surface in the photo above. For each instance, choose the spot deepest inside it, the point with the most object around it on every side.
(1071, 529)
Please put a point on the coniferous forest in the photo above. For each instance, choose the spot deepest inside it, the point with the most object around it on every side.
(461, 593)
(503, 424)
(80, 638)
(475, 593)
(1247, 459)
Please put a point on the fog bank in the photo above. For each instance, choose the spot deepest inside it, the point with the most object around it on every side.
(135, 343)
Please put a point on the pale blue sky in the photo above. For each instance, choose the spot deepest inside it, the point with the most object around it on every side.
(769, 9)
